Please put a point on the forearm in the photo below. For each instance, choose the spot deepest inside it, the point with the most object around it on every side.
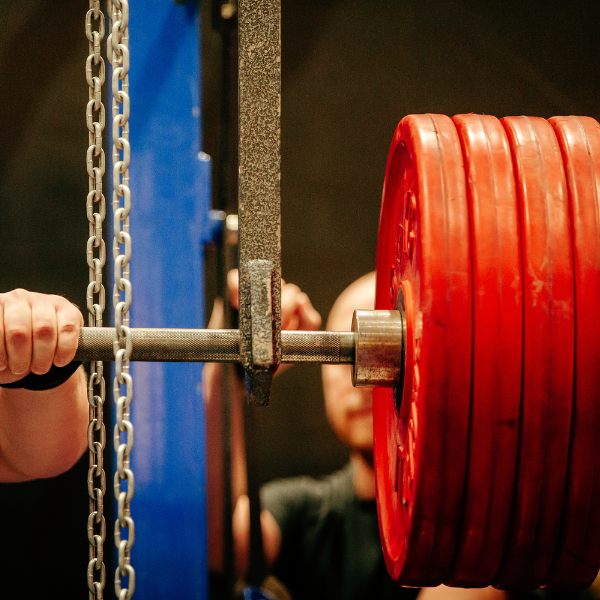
(42, 433)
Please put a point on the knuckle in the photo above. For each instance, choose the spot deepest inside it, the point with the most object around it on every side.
(16, 334)
(68, 328)
(61, 303)
(72, 314)
(291, 288)
(17, 296)
(303, 299)
(77, 317)
(43, 330)
(233, 278)
(19, 293)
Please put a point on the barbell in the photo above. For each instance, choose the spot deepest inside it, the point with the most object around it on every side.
(485, 336)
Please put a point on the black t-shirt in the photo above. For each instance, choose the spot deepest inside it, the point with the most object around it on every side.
(330, 540)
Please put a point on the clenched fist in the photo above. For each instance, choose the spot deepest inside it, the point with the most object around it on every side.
(36, 331)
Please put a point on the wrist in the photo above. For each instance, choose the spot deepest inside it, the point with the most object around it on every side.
(53, 378)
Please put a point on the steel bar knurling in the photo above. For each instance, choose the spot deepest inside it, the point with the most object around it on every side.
(214, 345)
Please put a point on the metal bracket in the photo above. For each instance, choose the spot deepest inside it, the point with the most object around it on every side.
(260, 340)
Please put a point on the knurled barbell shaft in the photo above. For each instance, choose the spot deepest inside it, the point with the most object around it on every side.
(214, 345)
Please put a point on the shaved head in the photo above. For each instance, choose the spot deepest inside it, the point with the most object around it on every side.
(349, 409)
(359, 295)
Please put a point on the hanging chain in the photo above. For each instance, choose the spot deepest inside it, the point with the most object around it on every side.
(118, 51)
(96, 211)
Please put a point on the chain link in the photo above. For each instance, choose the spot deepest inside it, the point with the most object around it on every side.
(96, 212)
(118, 52)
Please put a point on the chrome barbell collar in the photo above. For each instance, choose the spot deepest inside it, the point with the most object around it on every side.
(379, 342)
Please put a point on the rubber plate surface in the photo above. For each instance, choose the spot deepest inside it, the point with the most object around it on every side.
(420, 460)
(548, 353)
(577, 558)
(497, 350)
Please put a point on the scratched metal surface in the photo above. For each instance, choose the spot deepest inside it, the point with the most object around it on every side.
(259, 161)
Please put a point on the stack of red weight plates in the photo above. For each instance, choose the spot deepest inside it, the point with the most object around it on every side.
(486, 460)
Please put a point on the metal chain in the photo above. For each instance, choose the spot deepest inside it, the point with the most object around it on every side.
(118, 51)
(96, 211)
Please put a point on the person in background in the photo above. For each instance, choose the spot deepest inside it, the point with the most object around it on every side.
(321, 536)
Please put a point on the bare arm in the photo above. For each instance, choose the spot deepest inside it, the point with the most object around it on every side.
(42, 433)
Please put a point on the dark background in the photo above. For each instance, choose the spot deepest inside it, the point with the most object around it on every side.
(351, 70)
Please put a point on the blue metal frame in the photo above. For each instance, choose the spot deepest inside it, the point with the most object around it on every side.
(170, 188)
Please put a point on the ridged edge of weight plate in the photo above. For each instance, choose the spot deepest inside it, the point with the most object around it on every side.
(577, 557)
(419, 542)
(497, 350)
(548, 353)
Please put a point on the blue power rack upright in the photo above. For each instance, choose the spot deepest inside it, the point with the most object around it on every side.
(170, 188)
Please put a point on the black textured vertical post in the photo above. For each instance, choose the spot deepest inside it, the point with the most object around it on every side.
(259, 193)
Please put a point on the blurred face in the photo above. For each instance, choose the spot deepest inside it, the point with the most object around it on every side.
(349, 409)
